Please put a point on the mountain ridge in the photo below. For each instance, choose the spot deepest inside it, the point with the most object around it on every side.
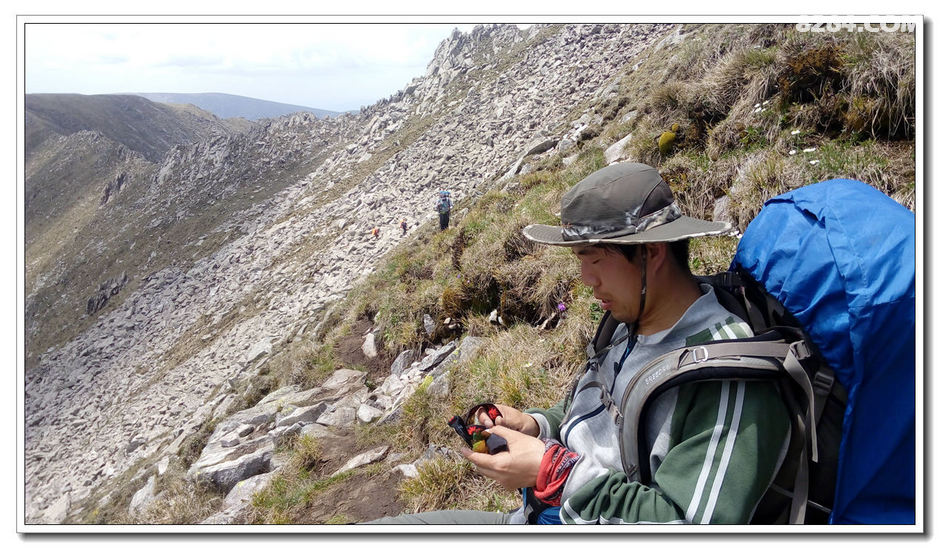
(226, 105)
(145, 126)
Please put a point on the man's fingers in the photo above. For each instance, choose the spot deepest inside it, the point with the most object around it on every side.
(482, 461)
(507, 433)
(479, 459)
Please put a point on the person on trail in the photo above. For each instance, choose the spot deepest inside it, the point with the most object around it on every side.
(404, 227)
(375, 232)
(714, 446)
(443, 208)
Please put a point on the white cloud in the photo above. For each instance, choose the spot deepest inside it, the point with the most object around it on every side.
(333, 66)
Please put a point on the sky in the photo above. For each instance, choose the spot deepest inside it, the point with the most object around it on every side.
(332, 66)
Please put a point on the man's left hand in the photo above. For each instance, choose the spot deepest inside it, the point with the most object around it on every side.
(515, 468)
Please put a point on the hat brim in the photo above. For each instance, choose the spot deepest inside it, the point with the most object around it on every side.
(678, 229)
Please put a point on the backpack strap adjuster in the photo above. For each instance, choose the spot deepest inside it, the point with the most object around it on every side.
(699, 354)
(801, 350)
(823, 382)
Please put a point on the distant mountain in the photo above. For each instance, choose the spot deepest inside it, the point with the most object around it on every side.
(144, 126)
(224, 105)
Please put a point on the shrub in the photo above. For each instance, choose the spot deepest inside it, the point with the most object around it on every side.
(181, 501)
(810, 73)
(666, 142)
(881, 86)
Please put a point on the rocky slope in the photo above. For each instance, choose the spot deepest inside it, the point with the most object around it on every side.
(150, 368)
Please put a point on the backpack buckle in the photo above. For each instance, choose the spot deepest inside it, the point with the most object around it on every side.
(800, 350)
(699, 354)
(822, 383)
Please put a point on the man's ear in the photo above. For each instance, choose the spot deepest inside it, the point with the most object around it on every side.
(656, 255)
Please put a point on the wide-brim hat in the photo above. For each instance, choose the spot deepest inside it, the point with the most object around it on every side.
(626, 203)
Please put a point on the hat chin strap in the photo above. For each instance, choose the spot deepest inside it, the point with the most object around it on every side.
(634, 329)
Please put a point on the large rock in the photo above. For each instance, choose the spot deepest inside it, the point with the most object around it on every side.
(343, 412)
(290, 395)
(226, 474)
(429, 325)
(342, 378)
(402, 362)
(363, 459)
(618, 151)
(259, 349)
(303, 415)
(368, 346)
(242, 492)
(57, 512)
(435, 358)
(366, 413)
(144, 497)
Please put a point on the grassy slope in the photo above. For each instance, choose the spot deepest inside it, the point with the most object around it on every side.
(738, 100)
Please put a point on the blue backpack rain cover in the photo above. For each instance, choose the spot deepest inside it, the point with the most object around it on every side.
(839, 255)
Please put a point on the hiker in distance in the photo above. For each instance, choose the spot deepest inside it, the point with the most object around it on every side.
(443, 208)
(714, 445)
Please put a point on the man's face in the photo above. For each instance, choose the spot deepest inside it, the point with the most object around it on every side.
(615, 280)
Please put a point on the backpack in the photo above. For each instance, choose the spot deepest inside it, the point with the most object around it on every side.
(825, 277)
(443, 204)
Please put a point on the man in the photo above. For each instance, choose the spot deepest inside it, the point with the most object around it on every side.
(715, 445)
(443, 209)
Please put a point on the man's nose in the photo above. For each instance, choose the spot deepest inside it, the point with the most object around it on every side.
(588, 277)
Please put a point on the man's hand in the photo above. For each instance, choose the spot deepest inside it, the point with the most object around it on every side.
(515, 468)
(511, 418)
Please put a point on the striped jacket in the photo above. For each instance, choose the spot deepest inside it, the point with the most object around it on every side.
(718, 444)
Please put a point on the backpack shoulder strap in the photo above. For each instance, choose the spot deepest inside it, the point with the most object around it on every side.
(768, 357)
(603, 335)
(756, 358)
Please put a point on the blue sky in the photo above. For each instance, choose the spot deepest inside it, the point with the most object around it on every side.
(333, 66)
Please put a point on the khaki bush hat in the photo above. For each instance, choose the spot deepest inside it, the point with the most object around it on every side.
(627, 203)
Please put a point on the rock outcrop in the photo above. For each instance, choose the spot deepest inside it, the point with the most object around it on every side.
(238, 457)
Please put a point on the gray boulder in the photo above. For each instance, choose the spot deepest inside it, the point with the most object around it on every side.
(304, 415)
(228, 473)
(368, 346)
(241, 493)
(435, 358)
(402, 361)
(617, 151)
(144, 497)
(363, 459)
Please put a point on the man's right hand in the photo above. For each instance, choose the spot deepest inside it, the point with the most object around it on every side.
(511, 418)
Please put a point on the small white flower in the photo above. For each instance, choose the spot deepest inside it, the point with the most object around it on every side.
(809, 149)
(795, 132)
(813, 162)
(792, 152)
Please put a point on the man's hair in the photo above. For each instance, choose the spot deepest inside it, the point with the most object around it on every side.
(679, 250)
